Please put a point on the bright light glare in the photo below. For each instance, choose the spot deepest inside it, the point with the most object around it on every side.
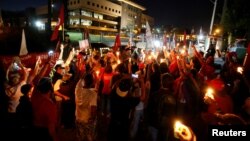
(39, 23)
(182, 130)
(50, 52)
(217, 30)
(240, 70)
(157, 43)
(209, 93)
(183, 51)
(177, 125)
(201, 37)
(97, 72)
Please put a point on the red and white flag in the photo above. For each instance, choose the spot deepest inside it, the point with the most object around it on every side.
(59, 23)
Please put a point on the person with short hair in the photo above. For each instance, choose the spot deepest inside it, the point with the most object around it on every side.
(24, 109)
(59, 71)
(67, 47)
(44, 111)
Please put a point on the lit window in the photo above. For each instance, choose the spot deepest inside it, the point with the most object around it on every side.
(86, 13)
(98, 16)
(74, 21)
(86, 22)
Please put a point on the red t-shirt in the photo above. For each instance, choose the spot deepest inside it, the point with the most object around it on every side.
(207, 70)
(106, 83)
(223, 103)
(44, 111)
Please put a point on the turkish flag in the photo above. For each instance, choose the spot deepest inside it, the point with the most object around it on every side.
(117, 43)
(59, 23)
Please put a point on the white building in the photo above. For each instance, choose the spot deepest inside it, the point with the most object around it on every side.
(106, 16)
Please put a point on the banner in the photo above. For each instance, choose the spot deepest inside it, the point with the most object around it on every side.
(29, 60)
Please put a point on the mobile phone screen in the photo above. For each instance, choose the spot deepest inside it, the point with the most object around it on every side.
(135, 75)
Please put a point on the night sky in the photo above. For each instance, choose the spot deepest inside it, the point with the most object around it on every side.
(182, 13)
(16, 5)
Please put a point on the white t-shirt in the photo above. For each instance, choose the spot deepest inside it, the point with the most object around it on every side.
(56, 88)
(84, 99)
(14, 94)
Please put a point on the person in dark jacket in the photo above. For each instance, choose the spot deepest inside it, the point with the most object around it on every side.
(24, 113)
(161, 111)
(121, 103)
(24, 109)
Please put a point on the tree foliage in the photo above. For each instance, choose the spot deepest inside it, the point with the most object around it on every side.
(236, 19)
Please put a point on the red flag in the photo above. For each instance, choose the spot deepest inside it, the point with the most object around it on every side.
(59, 23)
(185, 36)
(117, 43)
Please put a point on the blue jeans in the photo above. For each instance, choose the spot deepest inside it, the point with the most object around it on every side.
(153, 133)
(138, 115)
(105, 103)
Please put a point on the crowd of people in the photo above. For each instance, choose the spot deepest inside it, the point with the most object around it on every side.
(134, 89)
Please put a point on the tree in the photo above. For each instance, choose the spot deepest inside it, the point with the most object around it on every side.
(236, 18)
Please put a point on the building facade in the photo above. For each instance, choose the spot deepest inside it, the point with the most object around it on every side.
(106, 17)
(95, 15)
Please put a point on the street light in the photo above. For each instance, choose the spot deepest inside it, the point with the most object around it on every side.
(217, 31)
(211, 25)
(212, 20)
